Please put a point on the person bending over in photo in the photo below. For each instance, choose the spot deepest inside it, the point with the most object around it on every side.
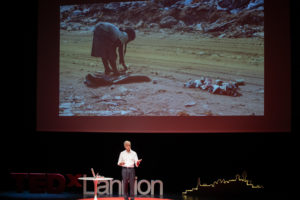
(107, 38)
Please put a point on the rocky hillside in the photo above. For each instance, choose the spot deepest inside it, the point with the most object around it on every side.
(213, 18)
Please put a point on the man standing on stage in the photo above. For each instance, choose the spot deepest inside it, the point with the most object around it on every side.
(127, 159)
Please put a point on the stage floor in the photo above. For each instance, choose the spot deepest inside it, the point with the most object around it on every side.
(75, 196)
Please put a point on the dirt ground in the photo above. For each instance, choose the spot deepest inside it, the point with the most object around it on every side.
(169, 59)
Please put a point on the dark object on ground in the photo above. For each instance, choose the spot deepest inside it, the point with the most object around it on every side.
(98, 79)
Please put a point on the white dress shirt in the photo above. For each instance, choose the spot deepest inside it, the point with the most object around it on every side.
(130, 158)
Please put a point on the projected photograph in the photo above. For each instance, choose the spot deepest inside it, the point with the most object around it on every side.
(162, 58)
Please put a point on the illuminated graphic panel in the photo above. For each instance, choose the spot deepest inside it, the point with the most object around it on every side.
(239, 185)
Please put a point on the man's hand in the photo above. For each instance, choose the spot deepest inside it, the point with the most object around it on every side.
(138, 162)
(122, 163)
(122, 62)
(125, 66)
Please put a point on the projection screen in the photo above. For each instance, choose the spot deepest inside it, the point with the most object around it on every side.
(191, 66)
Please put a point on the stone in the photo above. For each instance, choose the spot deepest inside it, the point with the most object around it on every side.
(202, 79)
(153, 26)
(189, 84)
(182, 113)
(197, 83)
(190, 104)
(219, 82)
(167, 22)
(140, 24)
(240, 82)
(216, 89)
(198, 27)
(259, 34)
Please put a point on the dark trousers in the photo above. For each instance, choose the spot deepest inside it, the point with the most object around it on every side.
(128, 175)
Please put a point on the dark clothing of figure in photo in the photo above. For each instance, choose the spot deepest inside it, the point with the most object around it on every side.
(107, 38)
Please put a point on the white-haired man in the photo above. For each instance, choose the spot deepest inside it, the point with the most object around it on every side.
(127, 160)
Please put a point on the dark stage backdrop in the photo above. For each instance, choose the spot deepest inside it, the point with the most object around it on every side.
(178, 159)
